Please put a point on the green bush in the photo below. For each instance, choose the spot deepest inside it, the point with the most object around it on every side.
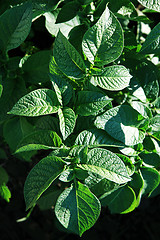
(92, 102)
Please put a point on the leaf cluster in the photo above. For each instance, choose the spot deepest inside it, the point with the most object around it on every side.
(92, 101)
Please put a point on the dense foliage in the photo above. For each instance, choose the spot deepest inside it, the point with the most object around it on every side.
(91, 101)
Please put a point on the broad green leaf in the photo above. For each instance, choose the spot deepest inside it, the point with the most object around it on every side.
(128, 164)
(36, 67)
(152, 42)
(68, 11)
(76, 35)
(41, 139)
(155, 123)
(12, 35)
(145, 75)
(5, 192)
(137, 184)
(40, 178)
(15, 89)
(89, 102)
(103, 42)
(58, 78)
(151, 178)
(154, 4)
(47, 122)
(150, 159)
(77, 208)
(13, 135)
(141, 108)
(113, 78)
(3, 176)
(106, 164)
(98, 185)
(36, 103)
(67, 58)
(67, 120)
(54, 28)
(96, 137)
(136, 90)
(48, 199)
(122, 123)
(123, 200)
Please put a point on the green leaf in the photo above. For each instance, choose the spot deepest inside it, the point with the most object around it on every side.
(150, 159)
(128, 163)
(36, 103)
(58, 78)
(103, 42)
(141, 108)
(5, 192)
(12, 35)
(3, 176)
(47, 122)
(48, 199)
(76, 35)
(151, 180)
(137, 184)
(36, 67)
(122, 123)
(67, 58)
(40, 178)
(14, 88)
(67, 120)
(13, 135)
(152, 42)
(145, 75)
(68, 11)
(96, 137)
(154, 4)
(123, 200)
(155, 123)
(54, 28)
(113, 78)
(106, 164)
(84, 211)
(41, 139)
(89, 102)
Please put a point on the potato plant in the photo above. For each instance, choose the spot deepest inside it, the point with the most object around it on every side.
(91, 101)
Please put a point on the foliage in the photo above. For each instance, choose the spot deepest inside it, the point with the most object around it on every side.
(92, 102)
